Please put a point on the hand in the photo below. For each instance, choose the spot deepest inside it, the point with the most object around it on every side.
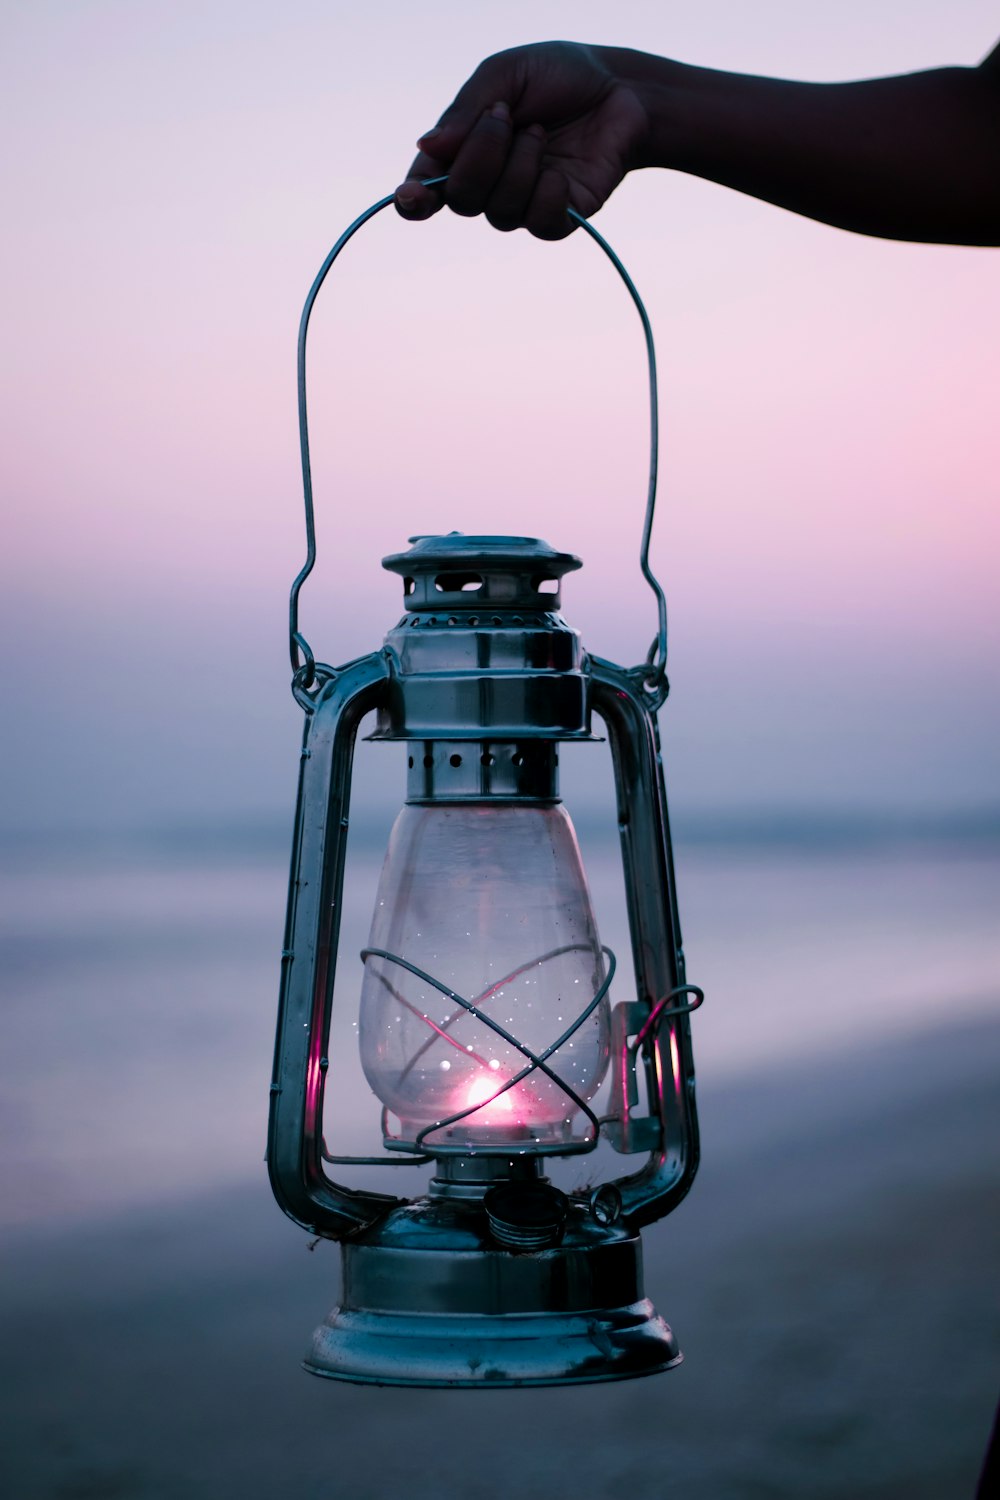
(536, 130)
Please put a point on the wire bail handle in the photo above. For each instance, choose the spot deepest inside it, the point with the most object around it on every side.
(653, 672)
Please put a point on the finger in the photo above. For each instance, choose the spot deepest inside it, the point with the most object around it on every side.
(547, 216)
(479, 164)
(413, 200)
(508, 203)
(495, 78)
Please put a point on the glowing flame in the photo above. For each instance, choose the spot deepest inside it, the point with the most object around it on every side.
(480, 1091)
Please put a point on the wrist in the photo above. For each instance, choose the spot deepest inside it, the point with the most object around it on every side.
(664, 91)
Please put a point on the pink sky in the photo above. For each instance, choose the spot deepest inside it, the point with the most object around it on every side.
(829, 523)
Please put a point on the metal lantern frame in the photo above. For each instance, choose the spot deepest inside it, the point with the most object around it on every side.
(536, 1305)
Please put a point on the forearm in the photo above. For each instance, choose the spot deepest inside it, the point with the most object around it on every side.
(915, 157)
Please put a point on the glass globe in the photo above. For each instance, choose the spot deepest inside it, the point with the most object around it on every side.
(490, 899)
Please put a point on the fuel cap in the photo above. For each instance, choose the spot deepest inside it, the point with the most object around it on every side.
(526, 1215)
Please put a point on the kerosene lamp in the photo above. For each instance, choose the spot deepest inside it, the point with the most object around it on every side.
(486, 1022)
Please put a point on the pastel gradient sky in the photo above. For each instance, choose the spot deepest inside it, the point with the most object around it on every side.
(829, 531)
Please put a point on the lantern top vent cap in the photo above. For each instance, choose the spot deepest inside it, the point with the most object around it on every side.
(472, 572)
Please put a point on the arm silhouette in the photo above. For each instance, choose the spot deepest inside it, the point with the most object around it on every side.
(541, 128)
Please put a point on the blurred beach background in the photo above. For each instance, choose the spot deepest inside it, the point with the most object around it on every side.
(828, 536)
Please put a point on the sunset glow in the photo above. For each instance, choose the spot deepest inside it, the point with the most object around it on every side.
(829, 518)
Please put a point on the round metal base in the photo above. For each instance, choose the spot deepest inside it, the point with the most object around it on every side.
(395, 1349)
(430, 1300)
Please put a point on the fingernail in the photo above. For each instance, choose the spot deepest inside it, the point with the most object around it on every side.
(501, 112)
(429, 135)
(405, 197)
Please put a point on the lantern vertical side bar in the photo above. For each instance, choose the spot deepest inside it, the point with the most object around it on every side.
(616, 696)
(295, 1138)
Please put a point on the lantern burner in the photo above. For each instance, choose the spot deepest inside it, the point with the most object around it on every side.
(471, 1177)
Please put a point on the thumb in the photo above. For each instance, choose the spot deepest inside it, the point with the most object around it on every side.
(447, 137)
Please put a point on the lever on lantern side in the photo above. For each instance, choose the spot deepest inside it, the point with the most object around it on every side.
(658, 954)
(663, 1010)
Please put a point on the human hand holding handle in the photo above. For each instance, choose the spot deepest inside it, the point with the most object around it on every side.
(535, 131)
(557, 125)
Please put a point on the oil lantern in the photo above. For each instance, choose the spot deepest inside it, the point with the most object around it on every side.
(487, 1022)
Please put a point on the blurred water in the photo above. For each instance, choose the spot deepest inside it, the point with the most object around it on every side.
(140, 983)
